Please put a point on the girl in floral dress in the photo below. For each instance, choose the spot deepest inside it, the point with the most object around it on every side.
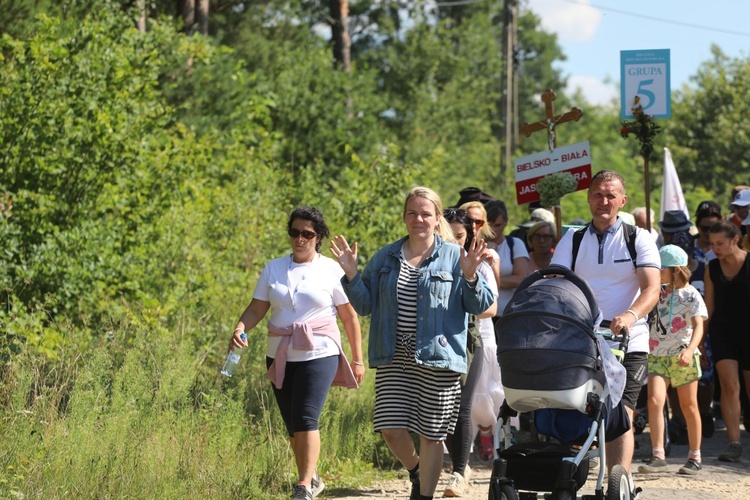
(674, 359)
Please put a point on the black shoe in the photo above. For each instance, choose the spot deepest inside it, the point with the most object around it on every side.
(414, 478)
(691, 468)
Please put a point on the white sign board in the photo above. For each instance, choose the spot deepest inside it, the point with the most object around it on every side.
(645, 73)
(575, 159)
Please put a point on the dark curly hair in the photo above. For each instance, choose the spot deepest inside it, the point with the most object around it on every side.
(313, 215)
(452, 215)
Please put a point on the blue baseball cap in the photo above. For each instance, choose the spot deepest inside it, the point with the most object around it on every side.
(672, 256)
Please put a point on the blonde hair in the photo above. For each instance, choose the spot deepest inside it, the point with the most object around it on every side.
(485, 232)
(536, 227)
(443, 229)
(680, 276)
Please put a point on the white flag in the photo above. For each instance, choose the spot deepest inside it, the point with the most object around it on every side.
(671, 190)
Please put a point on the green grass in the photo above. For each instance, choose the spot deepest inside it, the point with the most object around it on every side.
(147, 415)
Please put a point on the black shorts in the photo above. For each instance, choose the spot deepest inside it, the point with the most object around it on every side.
(636, 367)
(723, 347)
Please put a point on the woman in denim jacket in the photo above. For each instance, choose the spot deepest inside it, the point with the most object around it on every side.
(418, 292)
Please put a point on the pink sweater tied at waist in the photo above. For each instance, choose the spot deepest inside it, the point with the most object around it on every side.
(301, 336)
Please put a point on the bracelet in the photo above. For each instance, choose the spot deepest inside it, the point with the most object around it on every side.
(358, 363)
(471, 282)
(633, 313)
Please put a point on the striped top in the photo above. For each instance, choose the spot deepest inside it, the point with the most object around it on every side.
(406, 293)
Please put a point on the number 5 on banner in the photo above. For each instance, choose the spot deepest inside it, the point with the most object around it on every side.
(651, 98)
(645, 73)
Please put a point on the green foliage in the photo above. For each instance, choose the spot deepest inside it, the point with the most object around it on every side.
(553, 187)
(146, 178)
(643, 127)
(708, 134)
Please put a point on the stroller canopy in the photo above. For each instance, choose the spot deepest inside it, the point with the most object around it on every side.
(545, 338)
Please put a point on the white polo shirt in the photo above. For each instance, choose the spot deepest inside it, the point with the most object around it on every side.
(604, 262)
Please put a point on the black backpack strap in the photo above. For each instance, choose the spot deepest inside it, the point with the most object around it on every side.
(629, 232)
(577, 239)
(510, 247)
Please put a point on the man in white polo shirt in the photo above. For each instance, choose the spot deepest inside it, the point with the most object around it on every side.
(625, 290)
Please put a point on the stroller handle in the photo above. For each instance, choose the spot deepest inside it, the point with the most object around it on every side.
(623, 336)
(566, 274)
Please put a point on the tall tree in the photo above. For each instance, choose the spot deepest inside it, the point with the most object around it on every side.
(202, 16)
(188, 16)
(342, 42)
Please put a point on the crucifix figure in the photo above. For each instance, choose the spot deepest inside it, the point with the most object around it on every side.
(550, 121)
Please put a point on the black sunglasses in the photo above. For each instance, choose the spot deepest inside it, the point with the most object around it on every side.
(296, 233)
(452, 214)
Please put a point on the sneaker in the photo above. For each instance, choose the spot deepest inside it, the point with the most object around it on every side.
(317, 485)
(414, 486)
(456, 487)
(467, 474)
(732, 454)
(487, 447)
(301, 492)
(654, 464)
(691, 468)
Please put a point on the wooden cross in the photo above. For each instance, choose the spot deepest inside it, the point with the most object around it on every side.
(551, 121)
(549, 124)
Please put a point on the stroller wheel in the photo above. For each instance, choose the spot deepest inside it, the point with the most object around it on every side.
(502, 492)
(565, 495)
(618, 487)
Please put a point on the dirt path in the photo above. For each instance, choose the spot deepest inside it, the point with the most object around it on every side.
(718, 480)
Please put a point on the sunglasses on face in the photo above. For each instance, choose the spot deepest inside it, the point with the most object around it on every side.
(478, 222)
(538, 236)
(453, 214)
(296, 233)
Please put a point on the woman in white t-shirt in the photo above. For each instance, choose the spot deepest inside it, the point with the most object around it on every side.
(475, 408)
(514, 262)
(488, 390)
(304, 356)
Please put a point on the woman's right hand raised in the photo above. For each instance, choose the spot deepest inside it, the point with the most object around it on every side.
(345, 255)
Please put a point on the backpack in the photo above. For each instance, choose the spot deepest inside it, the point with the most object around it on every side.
(510, 246)
(655, 326)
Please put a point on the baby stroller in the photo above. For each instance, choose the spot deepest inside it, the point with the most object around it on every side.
(552, 364)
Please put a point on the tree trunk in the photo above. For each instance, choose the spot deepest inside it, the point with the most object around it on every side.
(141, 21)
(203, 17)
(188, 16)
(342, 43)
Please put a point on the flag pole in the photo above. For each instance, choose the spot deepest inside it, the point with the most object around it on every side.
(647, 186)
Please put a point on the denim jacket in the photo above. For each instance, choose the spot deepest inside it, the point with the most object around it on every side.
(443, 300)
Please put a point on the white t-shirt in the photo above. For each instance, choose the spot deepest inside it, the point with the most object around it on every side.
(485, 325)
(609, 270)
(677, 310)
(506, 269)
(299, 293)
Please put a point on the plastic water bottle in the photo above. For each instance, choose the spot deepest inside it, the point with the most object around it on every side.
(230, 364)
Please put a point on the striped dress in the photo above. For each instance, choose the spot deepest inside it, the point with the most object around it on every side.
(419, 398)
